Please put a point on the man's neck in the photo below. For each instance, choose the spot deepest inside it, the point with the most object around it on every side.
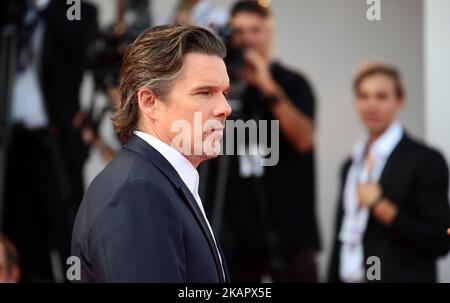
(195, 160)
(375, 135)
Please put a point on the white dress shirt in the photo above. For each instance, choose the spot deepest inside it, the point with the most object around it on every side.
(27, 98)
(185, 170)
(354, 223)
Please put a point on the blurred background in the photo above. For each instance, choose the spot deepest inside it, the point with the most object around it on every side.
(325, 40)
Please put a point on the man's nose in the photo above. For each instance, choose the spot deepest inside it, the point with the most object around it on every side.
(371, 102)
(223, 108)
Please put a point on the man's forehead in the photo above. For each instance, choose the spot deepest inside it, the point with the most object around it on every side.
(204, 70)
(210, 82)
(246, 18)
(199, 85)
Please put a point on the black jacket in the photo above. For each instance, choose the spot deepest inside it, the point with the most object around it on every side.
(63, 62)
(138, 222)
(416, 179)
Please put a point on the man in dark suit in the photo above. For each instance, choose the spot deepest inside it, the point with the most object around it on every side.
(45, 151)
(393, 203)
(142, 219)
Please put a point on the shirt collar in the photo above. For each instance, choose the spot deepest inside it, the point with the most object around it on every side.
(184, 168)
(383, 146)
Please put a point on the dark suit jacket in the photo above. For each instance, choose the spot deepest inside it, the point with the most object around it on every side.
(138, 222)
(63, 62)
(415, 178)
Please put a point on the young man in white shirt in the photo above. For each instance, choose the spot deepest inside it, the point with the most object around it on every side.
(394, 194)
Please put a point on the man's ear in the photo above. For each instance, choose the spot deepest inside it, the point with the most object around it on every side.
(147, 102)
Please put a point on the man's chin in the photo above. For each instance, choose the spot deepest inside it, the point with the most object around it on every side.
(213, 156)
(211, 145)
(213, 153)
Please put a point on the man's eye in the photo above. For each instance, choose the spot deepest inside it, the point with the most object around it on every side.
(205, 93)
(381, 96)
(362, 96)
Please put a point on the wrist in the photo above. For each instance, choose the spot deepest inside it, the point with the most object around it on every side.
(385, 212)
(376, 201)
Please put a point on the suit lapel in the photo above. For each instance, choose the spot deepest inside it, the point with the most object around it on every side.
(141, 147)
(200, 219)
(391, 163)
(224, 264)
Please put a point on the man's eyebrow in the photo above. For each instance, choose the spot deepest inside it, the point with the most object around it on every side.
(209, 87)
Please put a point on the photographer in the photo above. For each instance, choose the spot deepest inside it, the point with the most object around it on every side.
(281, 236)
